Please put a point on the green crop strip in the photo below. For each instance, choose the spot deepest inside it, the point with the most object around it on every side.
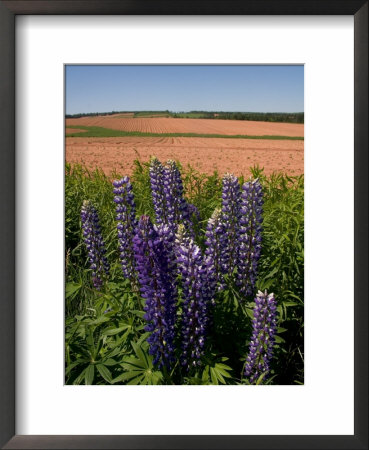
(107, 132)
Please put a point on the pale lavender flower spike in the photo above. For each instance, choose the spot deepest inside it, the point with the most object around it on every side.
(264, 328)
(126, 224)
(249, 236)
(95, 246)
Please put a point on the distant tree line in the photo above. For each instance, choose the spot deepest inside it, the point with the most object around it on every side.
(256, 116)
(76, 116)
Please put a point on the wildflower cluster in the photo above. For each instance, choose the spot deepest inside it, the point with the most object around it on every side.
(91, 231)
(264, 325)
(177, 279)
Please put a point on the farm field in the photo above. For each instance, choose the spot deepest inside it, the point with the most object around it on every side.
(200, 126)
(204, 154)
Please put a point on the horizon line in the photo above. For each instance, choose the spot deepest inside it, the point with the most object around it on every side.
(186, 112)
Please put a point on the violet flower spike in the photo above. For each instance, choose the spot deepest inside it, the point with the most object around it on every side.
(249, 236)
(156, 172)
(264, 328)
(167, 194)
(231, 203)
(215, 245)
(94, 242)
(157, 289)
(126, 224)
(195, 303)
(178, 211)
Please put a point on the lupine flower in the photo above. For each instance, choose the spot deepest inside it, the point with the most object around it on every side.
(158, 289)
(215, 244)
(177, 207)
(195, 299)
(167, 193)
(156, 172)
(264, 326)
(94, 243)
(126, 224)
(231, 203)
(249, 236)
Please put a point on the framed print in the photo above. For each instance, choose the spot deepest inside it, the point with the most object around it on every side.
(95, 354)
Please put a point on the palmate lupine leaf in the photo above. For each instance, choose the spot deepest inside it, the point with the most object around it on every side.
(139, 369)
(216, 373)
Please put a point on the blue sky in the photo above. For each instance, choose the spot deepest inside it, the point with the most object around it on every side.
(184, 88)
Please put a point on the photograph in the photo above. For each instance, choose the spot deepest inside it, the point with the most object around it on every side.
(184, 225)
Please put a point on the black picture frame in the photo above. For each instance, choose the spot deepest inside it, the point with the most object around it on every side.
(8, 11)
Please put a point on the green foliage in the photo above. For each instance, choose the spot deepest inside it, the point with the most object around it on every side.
(105, 340)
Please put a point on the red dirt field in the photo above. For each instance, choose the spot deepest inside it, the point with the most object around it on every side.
(74, 130)
(204, 154)
(205, 126)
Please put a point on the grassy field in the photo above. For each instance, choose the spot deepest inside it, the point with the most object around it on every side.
(105, 341)
(152, 114)
(106, 132)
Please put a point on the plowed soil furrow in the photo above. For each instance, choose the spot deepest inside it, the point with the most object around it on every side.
(204, 126)
(205, 154)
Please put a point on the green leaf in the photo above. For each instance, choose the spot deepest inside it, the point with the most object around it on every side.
(104, 372)
(113, 331)
(260, 379)
(126, 376)
(89, 374)
(290, 303)
(80, 377)
(214, 377)
(139, 314)
(72, 366)
(281, 330)
(109, 362)
(71, 288)
(99, 320)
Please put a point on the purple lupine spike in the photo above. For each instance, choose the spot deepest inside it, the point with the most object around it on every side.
(249, 236)
(231, 203)
(91, 231)
(157, 191)
(215, 244)
(126, 224)
(264, 327)
(177, 207)
(195, 302)
(167, 193)
(157, 289)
